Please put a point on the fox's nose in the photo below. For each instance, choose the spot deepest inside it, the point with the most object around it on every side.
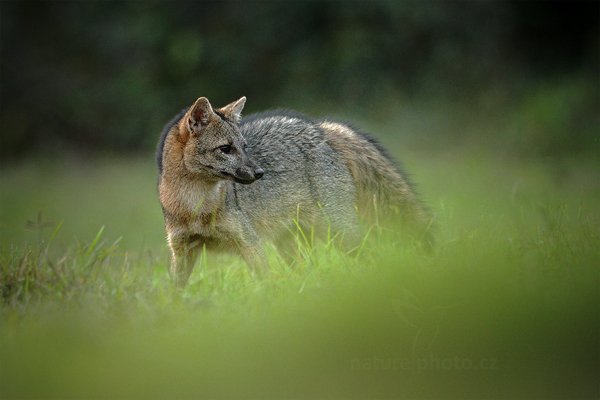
(259, 172)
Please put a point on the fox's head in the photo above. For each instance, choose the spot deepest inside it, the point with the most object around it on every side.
(214, 146)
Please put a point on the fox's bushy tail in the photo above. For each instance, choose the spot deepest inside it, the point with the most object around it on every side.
(384, 193)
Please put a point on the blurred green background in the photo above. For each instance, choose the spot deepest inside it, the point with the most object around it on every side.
(98, 79)
(492, 106)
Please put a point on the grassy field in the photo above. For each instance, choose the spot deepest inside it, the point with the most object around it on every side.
(508, 306)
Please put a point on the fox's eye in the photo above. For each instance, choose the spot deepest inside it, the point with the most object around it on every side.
(226, 149)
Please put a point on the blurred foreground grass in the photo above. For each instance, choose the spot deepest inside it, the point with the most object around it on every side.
(507, 307)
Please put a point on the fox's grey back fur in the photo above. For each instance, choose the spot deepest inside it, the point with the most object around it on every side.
(317, 174)
(305, 177)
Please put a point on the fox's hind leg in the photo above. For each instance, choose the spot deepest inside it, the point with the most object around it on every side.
(340, 217)
(346, 230)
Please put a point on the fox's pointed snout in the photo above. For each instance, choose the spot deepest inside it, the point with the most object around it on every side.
(248, 175)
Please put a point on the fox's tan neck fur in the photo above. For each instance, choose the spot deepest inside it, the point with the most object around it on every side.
(184, 194)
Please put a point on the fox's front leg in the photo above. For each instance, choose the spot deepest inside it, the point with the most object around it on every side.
(255, 257)
(251, 248)
(184, 251)
(241, 237)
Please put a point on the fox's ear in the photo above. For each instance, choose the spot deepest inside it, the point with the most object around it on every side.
(234, 110)
(200, 114)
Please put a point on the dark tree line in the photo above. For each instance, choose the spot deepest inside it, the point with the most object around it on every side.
(107, 75)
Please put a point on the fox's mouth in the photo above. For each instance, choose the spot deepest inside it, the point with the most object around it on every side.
(244, 181)
(238, 179)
